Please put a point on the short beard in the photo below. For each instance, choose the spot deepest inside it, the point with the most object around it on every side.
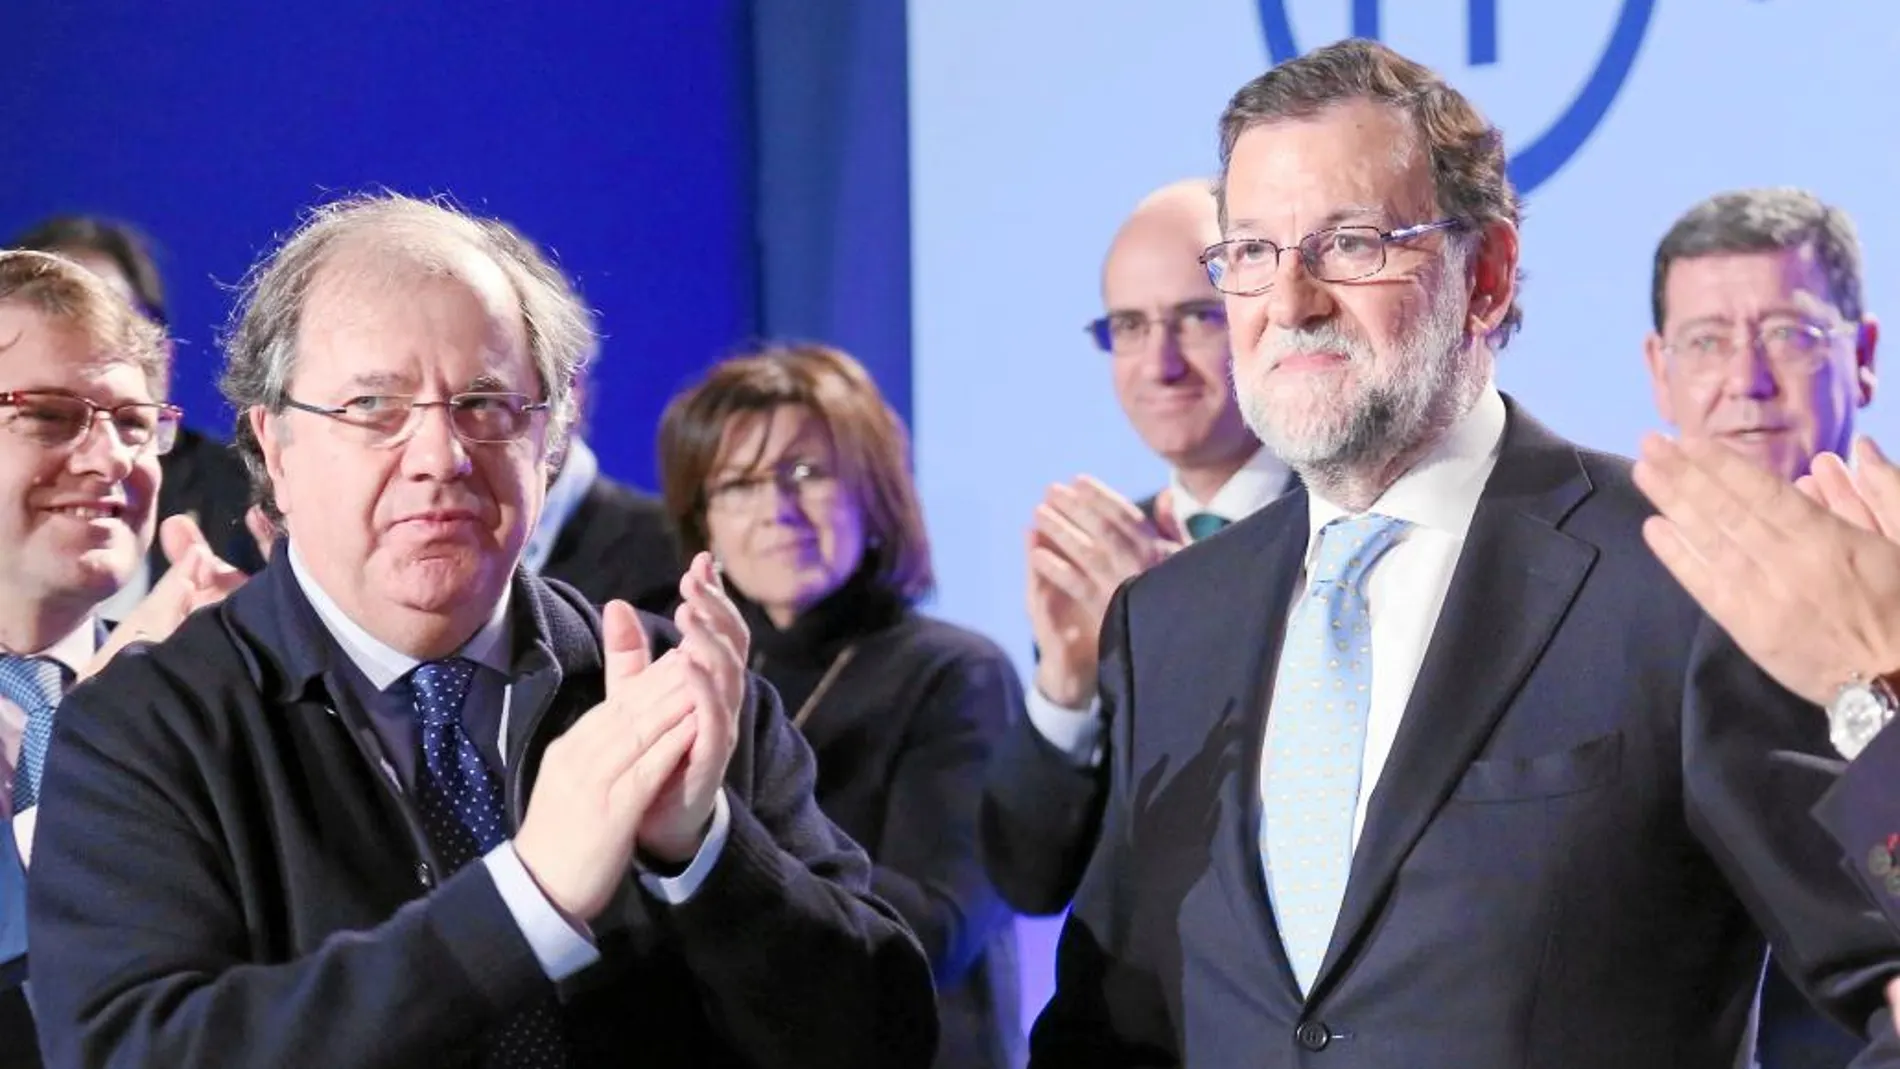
(1427, 388)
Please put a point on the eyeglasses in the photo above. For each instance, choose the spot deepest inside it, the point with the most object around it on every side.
(56, 420)
(807, 482)
(392, 419)
(1199, 325)
(1795, 346)
(1245, 266)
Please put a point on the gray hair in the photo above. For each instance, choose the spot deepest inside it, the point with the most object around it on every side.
(261, 344)
(1470, 173)
(1765, 220)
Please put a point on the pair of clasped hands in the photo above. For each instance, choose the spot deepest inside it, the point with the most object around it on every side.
(1085, 541)
(1804, 577)
(642, 771)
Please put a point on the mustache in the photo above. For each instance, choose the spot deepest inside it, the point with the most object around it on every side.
(1324, 339)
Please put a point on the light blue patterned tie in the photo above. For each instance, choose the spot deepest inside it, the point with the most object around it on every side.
(1316, 735)
(461, 802)
(35, 684)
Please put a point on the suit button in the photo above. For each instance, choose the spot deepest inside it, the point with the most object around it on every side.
(1313, 1035)
(423, 875)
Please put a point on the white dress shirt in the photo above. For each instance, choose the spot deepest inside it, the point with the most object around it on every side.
(1260, 480)
(1077, 733)
(1406, 587)
(561, 950)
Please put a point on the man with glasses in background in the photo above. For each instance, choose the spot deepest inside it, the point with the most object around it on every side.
(203, 478)
(400, 801)
(1164, 330)
(1762, 344)
(83, 424)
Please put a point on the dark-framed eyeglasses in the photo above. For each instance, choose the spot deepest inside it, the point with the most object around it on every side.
(809, 482)
(1245, 267)
(56, 419)
(1798, 346)
(1198, 324)
(482, 418)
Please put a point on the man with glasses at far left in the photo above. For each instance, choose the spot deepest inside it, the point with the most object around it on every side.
(76, 516)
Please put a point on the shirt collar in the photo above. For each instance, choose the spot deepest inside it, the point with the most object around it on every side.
(383, 664)
(77, 648)
(1441, 491)
(1261, 479)
(578, 472)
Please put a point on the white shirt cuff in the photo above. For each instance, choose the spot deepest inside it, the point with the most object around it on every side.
(677, 890)
(561, 950)
(1077, 733)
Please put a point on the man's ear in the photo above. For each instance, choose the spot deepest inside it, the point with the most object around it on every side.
(271, 434)
(1493, 276)
(1864, 360)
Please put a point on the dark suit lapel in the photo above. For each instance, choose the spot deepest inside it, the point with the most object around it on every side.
(1252, 618)
(1514, 581)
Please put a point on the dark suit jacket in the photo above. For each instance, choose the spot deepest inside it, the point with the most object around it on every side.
(1042, 812)
(1862, 813)
(203, 477)
(223, 876)
(1591, 810)
(619, 543)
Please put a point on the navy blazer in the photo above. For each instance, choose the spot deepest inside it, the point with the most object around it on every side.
(1591, 812)
(1862, 812)
(224, 876)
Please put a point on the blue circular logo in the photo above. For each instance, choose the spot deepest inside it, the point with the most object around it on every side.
(1545, 156)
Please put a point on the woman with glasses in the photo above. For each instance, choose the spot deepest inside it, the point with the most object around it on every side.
(790, 467)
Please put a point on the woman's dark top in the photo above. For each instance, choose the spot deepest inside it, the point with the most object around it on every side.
(901, 733)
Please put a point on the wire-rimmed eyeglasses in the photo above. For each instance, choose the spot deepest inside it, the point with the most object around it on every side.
(1196, 323)
(1245, 266)
(1794, 345)
(56, 419)
(391, 419)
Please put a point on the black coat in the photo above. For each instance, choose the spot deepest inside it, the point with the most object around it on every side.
(618, 543)
(223, 876)
(901, 736)
(204, 478)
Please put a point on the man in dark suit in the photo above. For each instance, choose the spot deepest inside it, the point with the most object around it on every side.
(1762, 343)
(1806, 579)
(1165, 332)
(1808, 584)
(400, 801)
(1430, 764)
(203, 479)
(79, 513)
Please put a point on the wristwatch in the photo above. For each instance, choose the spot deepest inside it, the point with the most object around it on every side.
(1859, 710)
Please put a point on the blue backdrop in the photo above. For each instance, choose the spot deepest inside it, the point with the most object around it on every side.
(621, 139)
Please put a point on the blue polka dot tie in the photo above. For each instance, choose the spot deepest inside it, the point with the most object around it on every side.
(460, 798)
(35, 684)
(1316, 736)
